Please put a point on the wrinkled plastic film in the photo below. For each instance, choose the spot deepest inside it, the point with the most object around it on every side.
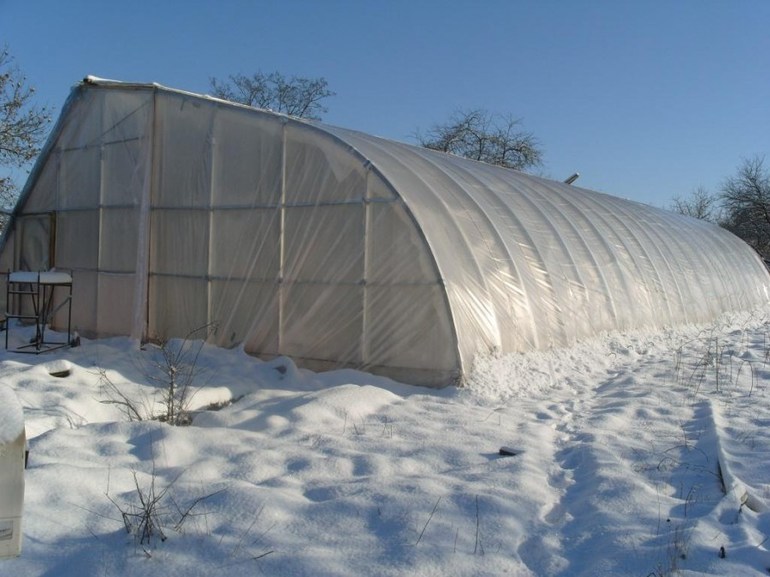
(341, 249)
(88, 189)
(551, 263)
(281, 267)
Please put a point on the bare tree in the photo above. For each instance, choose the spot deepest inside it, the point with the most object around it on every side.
(295, 96)
(480, 135)
(22, 126)
(700, 204)
(746, 200)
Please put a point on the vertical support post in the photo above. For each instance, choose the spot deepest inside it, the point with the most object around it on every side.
(52, 239)
(212, 180)
(364, 344)
(141, 313)
(281, 285)
(7, 306)
(69, 314)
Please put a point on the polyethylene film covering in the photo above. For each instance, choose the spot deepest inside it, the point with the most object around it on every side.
(247, 314)
(248, 159)
(6, 265)
(443, 214)
(80, 210)
(319, 169)
(34, 246)
(178, 306)
(530, 263)
(177, 212)
(279, 238)
(43, 199)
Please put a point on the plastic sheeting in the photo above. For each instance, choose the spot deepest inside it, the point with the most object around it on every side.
(176, 211)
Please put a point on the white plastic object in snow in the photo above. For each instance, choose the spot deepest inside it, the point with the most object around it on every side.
(12, 457)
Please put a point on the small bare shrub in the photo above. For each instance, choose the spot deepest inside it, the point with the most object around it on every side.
(173, 368)
(154, 510)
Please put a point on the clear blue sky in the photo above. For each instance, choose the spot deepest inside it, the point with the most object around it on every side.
(646, 99)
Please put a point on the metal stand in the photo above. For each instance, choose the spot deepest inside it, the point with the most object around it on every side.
(38, 289)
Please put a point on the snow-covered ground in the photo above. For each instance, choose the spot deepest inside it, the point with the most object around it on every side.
(623, 449)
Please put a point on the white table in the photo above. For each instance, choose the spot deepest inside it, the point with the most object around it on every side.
(37, 290)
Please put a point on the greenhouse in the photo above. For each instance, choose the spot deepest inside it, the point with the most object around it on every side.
(175, 211)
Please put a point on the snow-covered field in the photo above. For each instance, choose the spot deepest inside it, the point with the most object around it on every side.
(623, 445)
